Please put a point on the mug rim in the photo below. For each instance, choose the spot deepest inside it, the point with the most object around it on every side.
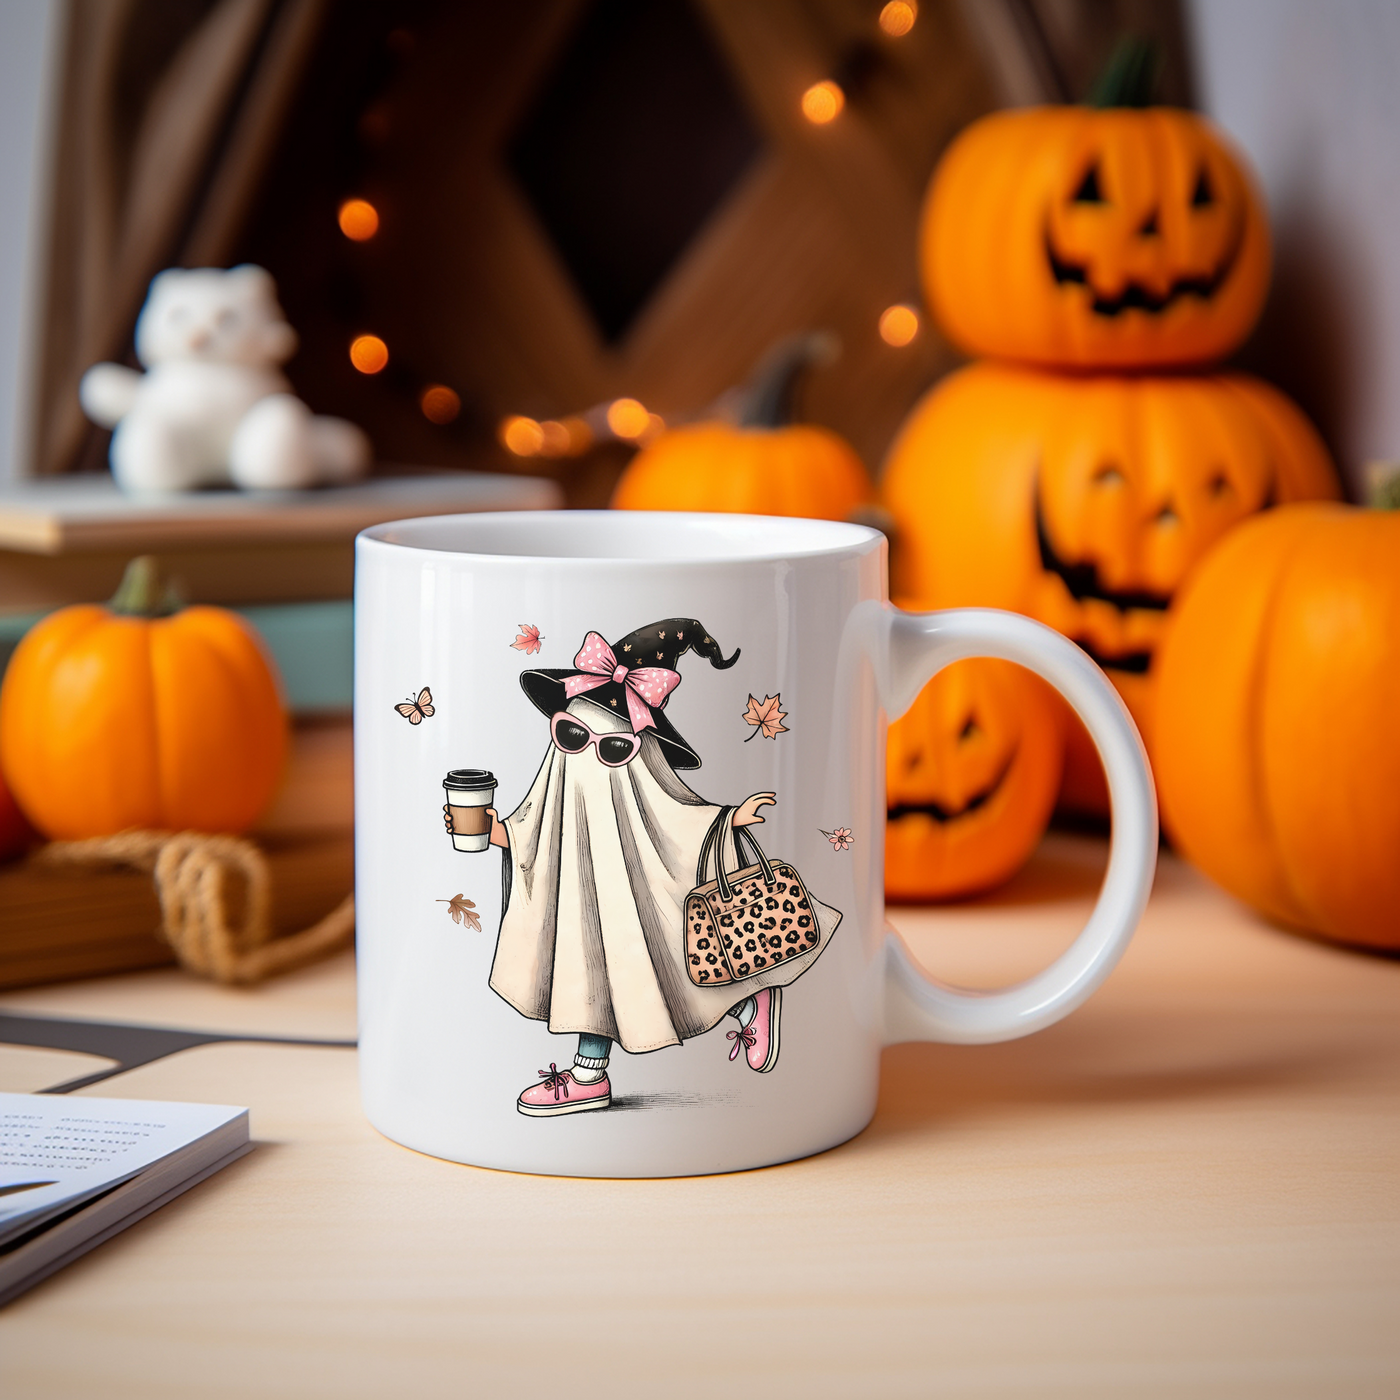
(799, 538)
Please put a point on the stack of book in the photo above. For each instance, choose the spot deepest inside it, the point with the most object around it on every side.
(284, 560)
(74, 1172)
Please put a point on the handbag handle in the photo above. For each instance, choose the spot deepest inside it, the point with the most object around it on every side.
(714, 840)
(711, 837)
(741, 834)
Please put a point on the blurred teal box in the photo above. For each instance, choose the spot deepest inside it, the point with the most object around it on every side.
(314, 647)
(312, 643)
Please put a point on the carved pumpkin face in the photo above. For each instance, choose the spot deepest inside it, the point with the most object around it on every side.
(1069, 236)
(1134, 484)
(971, 775)
(1085, 502)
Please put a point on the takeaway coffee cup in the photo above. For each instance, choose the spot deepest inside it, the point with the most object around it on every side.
(673, 958)
(469, 793)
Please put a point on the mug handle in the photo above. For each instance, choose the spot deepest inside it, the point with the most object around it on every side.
(917, 1007)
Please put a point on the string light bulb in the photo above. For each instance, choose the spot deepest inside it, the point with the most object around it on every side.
(522, 436)
(440, 404)
(368, 354)
(555, 440)
(897, 18)
(822, 102)
(358, 220)
(899, 324)
(580, 435)
(628, 419)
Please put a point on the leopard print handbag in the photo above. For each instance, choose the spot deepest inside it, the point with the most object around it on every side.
(738, 925)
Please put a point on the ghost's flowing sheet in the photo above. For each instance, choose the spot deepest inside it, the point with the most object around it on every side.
(75, 1171)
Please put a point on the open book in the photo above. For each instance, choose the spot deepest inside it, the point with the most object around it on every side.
(75, 1171)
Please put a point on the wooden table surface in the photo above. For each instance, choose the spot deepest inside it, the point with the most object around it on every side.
(1187, 1188)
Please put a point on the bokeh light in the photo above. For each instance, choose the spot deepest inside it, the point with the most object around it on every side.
(580, 435)
(822, 102)
(555, 439)
(440, 404)
(358, 219)
(522, 436)
(628, 419)
(368, 354)
(897, 18)
(899, 324)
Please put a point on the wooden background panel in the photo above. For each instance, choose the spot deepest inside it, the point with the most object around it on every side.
(421, 108)
(467, 287)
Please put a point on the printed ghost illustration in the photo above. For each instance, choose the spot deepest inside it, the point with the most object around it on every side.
(636, 912)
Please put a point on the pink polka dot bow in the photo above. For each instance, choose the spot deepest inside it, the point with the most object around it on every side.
(649, 684)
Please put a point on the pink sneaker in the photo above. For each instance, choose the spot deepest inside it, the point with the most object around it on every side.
(559, 1092)
(760, 1037)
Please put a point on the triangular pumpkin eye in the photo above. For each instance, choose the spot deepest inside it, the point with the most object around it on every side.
(1088, 191)
(1202, 196)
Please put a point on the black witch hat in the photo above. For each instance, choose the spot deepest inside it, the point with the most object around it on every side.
(659, 644)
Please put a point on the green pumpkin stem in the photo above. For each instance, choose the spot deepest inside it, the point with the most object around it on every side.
(1385, 486)
(770, 396)
(143, 593)
(1129, 78)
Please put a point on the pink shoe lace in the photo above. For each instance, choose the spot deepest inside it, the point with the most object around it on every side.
(744, 1037)
(557, 1079)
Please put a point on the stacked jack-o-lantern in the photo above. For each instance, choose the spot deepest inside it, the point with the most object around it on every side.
(1099, 258)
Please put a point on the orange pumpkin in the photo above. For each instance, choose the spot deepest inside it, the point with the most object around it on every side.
(971, 775)
(1084, 501)
(1277, 751)
(764, 465)
(134, 715)
(1094, 238)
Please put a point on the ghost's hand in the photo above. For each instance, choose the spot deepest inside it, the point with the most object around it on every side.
(746, 814)
(498, 830)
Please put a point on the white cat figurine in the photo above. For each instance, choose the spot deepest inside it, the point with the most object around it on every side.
(212, 407)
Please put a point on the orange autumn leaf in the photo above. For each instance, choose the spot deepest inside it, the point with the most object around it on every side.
(766, 717)
(463, 911)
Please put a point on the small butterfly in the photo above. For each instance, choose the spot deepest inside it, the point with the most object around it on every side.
(416, 711)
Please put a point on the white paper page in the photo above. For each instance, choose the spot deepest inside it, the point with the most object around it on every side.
(55, 1151)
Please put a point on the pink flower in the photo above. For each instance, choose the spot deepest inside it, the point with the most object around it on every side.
(529, 639)
(840, 839)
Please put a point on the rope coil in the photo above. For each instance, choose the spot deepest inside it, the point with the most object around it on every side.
(195, 878)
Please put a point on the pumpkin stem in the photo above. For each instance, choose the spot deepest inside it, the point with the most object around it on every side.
(769, 397)
(1129, 78)
(1385, 486)
(143, 593)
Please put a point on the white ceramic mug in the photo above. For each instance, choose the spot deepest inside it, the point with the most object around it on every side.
(588, 996)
